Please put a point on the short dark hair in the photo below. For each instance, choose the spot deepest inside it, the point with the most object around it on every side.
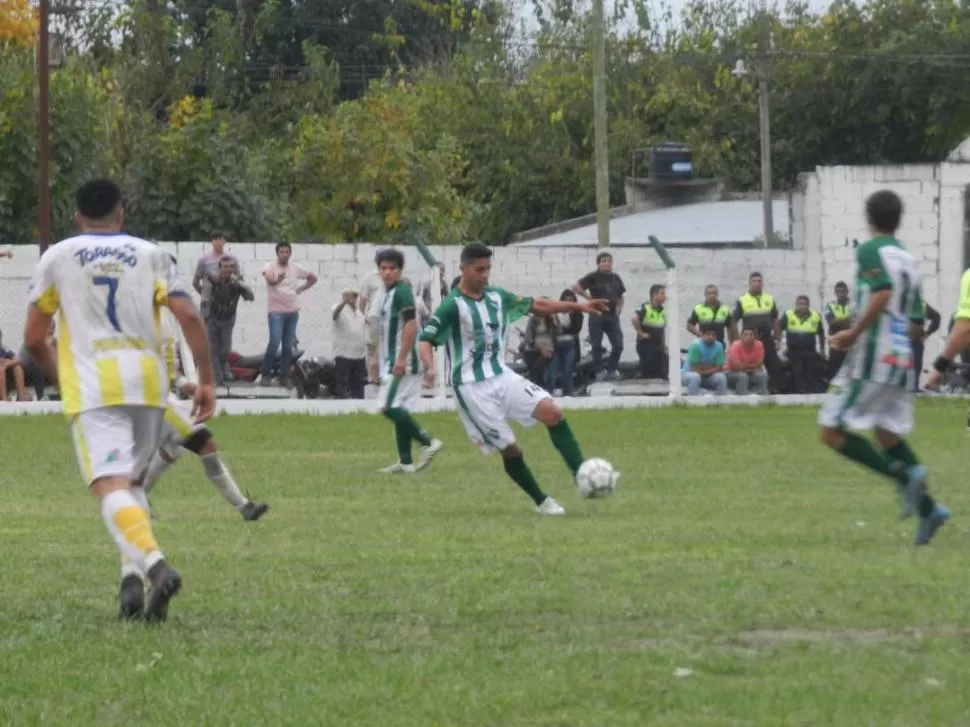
(226, 257)
(800, 298)
(755, 274)
(884, 210)
(656, 288)
(708, 328)
(750, 328)
(97, 198)
(281, 245)
(216, 236)
(841, 284)
(390, 255)
(603, 256)
(475, 251)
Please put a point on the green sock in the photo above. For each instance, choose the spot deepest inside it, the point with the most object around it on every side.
(406, 421)
(901, 458)
(563, 440)
(519, 471)
(861, 450)
(402, 434)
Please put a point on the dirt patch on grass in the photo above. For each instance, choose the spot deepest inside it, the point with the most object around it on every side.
(872, 636)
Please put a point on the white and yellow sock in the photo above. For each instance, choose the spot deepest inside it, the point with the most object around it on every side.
(128, 522)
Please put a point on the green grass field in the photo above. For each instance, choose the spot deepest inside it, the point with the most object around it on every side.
(740, 575)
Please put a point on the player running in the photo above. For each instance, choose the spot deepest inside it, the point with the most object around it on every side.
(400, 374)
(108, 288)
(870, 391)
(472, 322)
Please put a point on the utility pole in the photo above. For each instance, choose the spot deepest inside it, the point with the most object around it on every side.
(765, 126)
(43, 128)
(600, 148)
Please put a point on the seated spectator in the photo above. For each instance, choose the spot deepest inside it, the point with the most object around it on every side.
(746, 362)
(568, 327)
(34, 376)
(538, 346)
(704, 367)
(11, 374)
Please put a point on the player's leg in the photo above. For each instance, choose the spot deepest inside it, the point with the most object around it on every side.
(202, 443)
(896, 420)
(104, 441)
(408, 396)
(389, 397)
(481, 409)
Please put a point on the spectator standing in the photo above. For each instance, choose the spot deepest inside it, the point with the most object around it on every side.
(757, 310)
(650, 323)
(563, 360)
(746, 362)
(711, 312)
(350, 367)
(838, 316)
(704, 367)
(225, 289)
(284, 282)
(605, 284)
(208, 266)
(368, 303)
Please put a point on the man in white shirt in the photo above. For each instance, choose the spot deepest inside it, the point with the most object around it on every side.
(348, 347)
(368, 302)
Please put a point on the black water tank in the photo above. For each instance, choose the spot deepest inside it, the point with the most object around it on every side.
(671, 160)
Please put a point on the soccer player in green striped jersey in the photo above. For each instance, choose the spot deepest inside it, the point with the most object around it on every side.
(399, 367)
(472, 322)
(870, 391)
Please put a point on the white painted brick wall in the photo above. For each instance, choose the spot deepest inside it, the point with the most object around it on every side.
(828, 215)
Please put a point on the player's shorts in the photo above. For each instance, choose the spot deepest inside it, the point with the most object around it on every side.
(400, 392)
(177, 426)
(486, 407)
(116, 441)
(857, 405)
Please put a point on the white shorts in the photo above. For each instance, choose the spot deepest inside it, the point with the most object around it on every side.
(177, 426)
(860, 405)
(116, 441)
(486, 407)
(400, 392)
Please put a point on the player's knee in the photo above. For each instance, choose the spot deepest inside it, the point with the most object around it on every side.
(511, 452)
(832, 437)
(548, 413)
(885, 439)
(198, 440)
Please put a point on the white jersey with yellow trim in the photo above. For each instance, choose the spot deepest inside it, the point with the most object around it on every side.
(108, 290)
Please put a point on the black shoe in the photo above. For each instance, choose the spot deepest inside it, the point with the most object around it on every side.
(131, 598)
(166, 582)
(254, 510)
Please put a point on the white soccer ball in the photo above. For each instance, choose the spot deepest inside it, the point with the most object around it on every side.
(596, 478)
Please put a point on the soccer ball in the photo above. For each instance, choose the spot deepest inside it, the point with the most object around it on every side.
(596, 478)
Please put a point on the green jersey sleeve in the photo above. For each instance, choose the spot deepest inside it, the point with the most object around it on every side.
(871, 268)
(517, 306)
(963, 306)
(403, 299)
(444, 318)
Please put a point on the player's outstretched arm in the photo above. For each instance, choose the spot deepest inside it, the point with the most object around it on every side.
(546, 307)
(37, 343)
(193, 328)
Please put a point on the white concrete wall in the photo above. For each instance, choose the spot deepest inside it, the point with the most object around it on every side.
(828, 212)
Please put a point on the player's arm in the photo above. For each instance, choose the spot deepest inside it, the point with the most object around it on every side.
(193, 328)
(435, 332)
(880, 292)
(935, 319)
(44, 302)
(546, 307)
(959, 337)
(405, 308)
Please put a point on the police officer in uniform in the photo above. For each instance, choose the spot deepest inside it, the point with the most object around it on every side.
(649, 321)
(756, 309)
(711, 314)
(838, 316)
(803, 328)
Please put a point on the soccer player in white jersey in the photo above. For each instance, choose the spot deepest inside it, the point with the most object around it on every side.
(472, 323)
(870, 391)
(107, 288)
(180, 432)
(399, 367)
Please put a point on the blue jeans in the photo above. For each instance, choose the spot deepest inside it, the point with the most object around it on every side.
(609, 325)
(565, 356)
(282, 329)
(693, 381)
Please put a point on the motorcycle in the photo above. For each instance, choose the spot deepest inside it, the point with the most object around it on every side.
(249, 367)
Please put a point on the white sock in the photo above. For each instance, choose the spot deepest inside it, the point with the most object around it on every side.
(219, 476)
(155, 471)
(128, 523)
(127, 567)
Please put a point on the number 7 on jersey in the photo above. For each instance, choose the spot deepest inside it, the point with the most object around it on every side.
(110, 310)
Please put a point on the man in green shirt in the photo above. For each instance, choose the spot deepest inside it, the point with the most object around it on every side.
(400, 370)
(472, 323)
(870, 390)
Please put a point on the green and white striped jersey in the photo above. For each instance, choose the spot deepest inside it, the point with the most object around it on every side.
(393, 303)
(884, 352)
(474, 332)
